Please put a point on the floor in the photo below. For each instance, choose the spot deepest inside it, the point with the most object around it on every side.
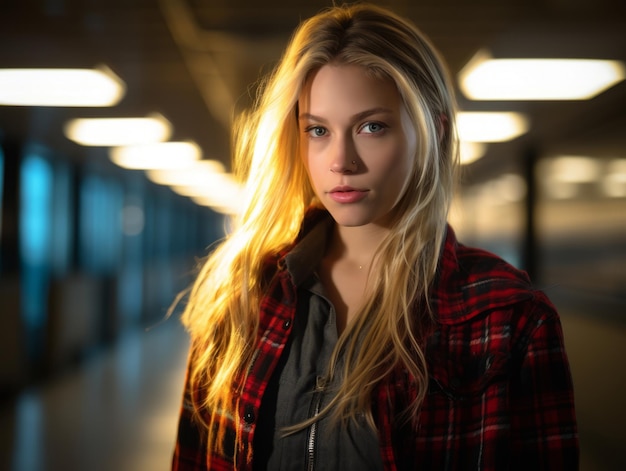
(119, 413)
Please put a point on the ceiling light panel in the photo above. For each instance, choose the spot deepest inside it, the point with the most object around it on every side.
(198, 173)
(481, 126)
(60, 87)
(162, 155)
(115, 132)
(485, 78)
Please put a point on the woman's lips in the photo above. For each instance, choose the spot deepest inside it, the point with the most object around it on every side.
(347, 194)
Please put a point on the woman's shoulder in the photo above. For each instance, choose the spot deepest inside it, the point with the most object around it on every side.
(473, 281)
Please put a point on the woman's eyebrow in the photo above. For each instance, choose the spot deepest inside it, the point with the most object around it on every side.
(310, 117)
(370, 112)
(358, 116)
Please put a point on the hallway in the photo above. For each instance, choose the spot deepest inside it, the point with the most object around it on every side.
(118, 411)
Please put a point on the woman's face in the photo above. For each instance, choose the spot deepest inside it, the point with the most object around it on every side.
(357, 142)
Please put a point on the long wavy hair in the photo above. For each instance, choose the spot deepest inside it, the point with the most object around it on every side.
(222, 313)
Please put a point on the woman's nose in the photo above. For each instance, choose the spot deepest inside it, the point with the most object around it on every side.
(344, 157)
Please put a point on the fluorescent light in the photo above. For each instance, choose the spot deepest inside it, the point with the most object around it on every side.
(118, 131)
(617, 169)
(485, 78)
(195, 174)
(218, 190)
(506, 189)
(162, 155)
(491, 126)
(614, 187)
(217, 185)
(563, 176)
(232, 208)
(614, 182)
(60, 87)
(471, 151)
(575, 169)
(221, 205)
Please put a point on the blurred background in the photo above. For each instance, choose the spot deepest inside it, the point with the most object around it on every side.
(103, 220)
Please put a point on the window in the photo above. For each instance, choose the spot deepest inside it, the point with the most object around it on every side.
(36, 179)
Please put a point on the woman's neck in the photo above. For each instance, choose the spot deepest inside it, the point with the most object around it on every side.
(344, 271)
(355, 245)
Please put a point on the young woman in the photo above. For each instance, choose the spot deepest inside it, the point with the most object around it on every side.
(341, 326)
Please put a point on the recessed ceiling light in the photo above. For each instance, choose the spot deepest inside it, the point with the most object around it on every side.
(198, 173)
(118, 131)
(220, 191)
(472, 151)
(485, 78)
(60, 87)
(221, 186)
(232, 208)
(478, 126)
(162, 155)
(614, 182)
(575, 169)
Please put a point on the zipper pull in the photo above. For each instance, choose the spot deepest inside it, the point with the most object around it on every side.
(320, 383)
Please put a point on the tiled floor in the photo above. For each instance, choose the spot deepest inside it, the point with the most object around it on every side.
(118, 413)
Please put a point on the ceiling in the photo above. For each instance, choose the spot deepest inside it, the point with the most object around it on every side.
(197, 62)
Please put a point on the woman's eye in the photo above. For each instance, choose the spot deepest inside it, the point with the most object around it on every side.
(316, 131)
(372, 128)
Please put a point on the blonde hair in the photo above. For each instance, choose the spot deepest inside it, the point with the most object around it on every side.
(222, 313)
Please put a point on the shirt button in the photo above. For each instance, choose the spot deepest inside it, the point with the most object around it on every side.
(248, 415)
(286, 324)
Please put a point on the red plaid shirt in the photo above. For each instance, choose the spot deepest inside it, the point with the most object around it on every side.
(500, 394)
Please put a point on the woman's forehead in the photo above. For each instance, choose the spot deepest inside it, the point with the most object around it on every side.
(340, 85)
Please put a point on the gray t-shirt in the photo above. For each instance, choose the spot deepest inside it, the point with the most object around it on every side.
(295, 392)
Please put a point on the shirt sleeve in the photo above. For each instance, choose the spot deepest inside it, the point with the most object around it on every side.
(543, 422)
(190, 449)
